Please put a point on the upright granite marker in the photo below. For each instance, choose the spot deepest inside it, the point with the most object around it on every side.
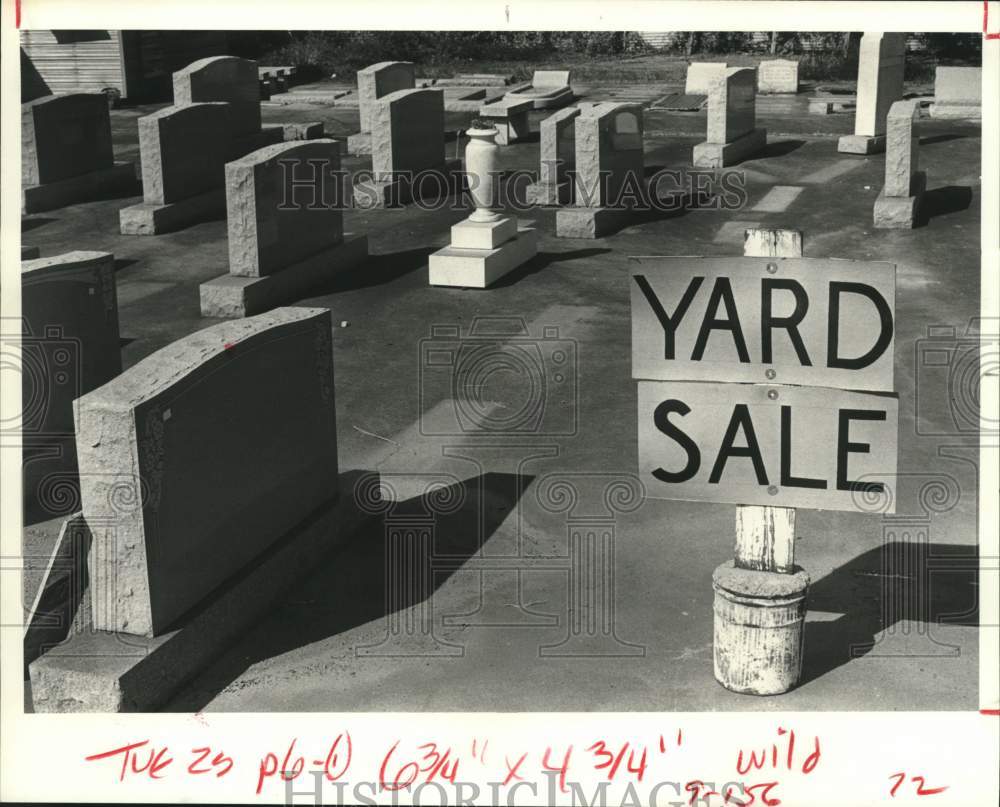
(557, 159)
(778, 76)
(70, 346)
(374, 82)
(184, 150)
(610, 171)
(880, 83)
(408, 152)
(732, 118)
(897, 206)
(234, 81)
(958, 93)
(285, 214)
(201, 456)
(701, 76)
(66, 152)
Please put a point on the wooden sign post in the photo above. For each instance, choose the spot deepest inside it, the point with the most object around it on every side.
(766, 384)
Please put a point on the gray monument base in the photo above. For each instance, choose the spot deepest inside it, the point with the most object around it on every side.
(29, 253)
(237, 296)
(479, 268)
(719, 155)
(99, 671)
(309, 130)
(900, 212)
(360, 144)
(861, 144)
(591, 222)
(402, 189)
(118, 179)
(956, 111)
(148, 219)
(544, 193)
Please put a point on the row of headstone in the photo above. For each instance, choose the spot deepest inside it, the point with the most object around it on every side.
(66, 153)
(774, 76)
(375, 82)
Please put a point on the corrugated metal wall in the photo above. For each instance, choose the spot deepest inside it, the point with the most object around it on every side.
(69, 61)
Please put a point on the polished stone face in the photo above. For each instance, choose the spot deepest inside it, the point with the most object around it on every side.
(64, 136)
(732, 105)
(223, 78)
(408, 132)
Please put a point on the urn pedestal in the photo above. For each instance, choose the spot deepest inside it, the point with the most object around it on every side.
(487, 245)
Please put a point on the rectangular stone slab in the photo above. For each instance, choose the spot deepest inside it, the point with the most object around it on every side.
(378, 80)
(732, 99)
(701, 76)
(778, 76)
(154, 219)
(284, 203)
(719, 155)
(480, 268)
(958, 85)
(557, 150)
(104, 183)
(71, 346)
(901, 148)
(609, 154)
(183, 151)
(223, 78)
(199, 457)
(63, 136)
(881, 62)
(407, 132)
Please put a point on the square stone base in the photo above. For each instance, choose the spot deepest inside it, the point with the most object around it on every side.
(591, 222)
(470, 234)
(479, 268)
(956, 111)
(861, 144)
(719, 155)
(402, 189)
(237, 296)
(267, 136)
(149, 219)
(309, 130)
(544, 193)
(360, 144)
(900, 212)
(29, 253)
(118, 180)
(99, 671)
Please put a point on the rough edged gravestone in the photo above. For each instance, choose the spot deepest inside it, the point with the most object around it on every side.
(732, 116)
(234, 81)
(66, 152)
(701, 76)
(958, 93)
(778, 76)
(374, 82)
(557, 158)
(897, 206)
(285, 214)
(610, 186)
(196, 460)
(183, 151)
(880, 83)
(70, 346)
(408, 152)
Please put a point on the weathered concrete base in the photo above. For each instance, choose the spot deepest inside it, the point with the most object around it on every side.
(759, 629)
(956, 111)
(544, 193)
(719, 155)
(404, 189)
(861, 144)
(479, 268)
(97, 671)
(309, 130)
(900, 212)
(826, 104)
(590, 222)
(236, 296)
(147, 219)
(118, 180)
(359, 144)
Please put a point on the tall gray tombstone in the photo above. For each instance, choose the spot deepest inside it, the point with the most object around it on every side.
(557, 158)
(235, 81)
(66, 152)
(183, 151)
(285, 214)
(70, 346)
(407, 141)
(881, 63)
(732, 116)
(198, 459)
(609, 171)
(374, 82)
(897, 206)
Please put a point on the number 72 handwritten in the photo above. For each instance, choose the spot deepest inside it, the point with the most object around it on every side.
(921, 790)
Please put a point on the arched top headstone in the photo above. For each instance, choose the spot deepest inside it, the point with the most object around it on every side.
(223, 78)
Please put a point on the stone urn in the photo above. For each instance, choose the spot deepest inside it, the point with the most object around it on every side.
(481, 167)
